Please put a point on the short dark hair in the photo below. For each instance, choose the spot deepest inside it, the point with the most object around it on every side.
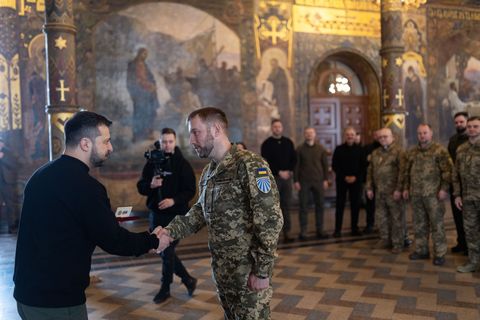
(461, 113)
(472, 118)
(274, 121)
(210, 114)
(83, 124)
(169, 131)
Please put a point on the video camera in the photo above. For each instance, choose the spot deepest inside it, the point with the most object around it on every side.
(160, 160)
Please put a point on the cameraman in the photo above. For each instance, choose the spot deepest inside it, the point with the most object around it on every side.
(168, 181)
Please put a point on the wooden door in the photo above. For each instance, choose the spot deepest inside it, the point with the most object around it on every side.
(330, 116)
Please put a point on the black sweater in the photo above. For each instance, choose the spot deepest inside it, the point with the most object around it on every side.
(279, 153)
(66, 213)
(349, 161)
(179, 185)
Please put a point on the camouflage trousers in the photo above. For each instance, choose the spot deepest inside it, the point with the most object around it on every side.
(390, 217)
(428, 215)
(230, 273)
(471, 224)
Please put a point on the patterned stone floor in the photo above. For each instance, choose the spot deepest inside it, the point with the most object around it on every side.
(317, 279)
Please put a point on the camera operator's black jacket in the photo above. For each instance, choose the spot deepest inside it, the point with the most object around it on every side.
(180, 186)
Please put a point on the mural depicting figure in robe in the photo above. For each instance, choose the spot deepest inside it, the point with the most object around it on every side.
(278, 78)
(413, 104)
(143, 91)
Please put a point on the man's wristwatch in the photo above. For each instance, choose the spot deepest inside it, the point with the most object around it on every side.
(262, 277)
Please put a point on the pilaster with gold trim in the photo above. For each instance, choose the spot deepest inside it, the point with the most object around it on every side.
(393, 105)
(10, 85)
(60, 33)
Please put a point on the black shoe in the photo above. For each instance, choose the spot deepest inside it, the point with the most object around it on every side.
(322, 235)
(439, 261)
(368, 230)
(302, 237)
(287, 239)
(407, 243)
(337, 234)
(419, 256)
(458, 248)
(191, 285)
(162, 295)
(13, 230)
(356, 233)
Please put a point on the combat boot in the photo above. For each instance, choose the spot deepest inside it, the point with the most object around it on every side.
(191, 285)
(469, 267)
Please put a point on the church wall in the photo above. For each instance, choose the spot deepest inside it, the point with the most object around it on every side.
(453, 64)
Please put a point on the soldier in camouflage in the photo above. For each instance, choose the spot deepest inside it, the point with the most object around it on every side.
(466, 186)
(385, 183)
(239, 204)
(427, 177)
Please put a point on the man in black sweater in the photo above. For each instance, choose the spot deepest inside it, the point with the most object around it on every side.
(279, 152)
(455, 141)
(168, 181)
(66, 214)
(348, 162)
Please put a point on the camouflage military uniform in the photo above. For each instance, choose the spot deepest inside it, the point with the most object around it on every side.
(385, 176)
(428, 170)
(239, 204)
(466, 184)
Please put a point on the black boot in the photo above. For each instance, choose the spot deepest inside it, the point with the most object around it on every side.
(191, 285)
(162, 295)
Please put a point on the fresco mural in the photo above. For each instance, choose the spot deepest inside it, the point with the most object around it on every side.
(454, 65)
(275, 93)
(157, 62)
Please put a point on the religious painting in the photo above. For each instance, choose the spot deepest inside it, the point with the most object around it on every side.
(157, 62)
(454, 61)
(275, 91)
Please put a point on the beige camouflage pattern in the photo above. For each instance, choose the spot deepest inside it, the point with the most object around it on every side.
(385, 175)
(428, 170)
(466, 184)
(243, 227)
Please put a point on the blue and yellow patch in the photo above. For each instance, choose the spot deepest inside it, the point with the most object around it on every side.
(263, 180)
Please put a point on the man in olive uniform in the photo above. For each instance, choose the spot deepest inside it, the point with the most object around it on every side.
(239, 203)
(385, 176)
(427, 177)
(466, 185)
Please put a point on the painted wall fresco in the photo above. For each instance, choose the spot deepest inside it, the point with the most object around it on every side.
(157, 62)
(453, 65)
(414, 75)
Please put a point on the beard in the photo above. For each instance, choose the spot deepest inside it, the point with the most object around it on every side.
(204, 152)
(460, 130)
(97, 159)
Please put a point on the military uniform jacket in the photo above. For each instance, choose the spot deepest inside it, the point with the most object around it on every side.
(466, 181)
(386, 169)
(239, 203)
(428, 170)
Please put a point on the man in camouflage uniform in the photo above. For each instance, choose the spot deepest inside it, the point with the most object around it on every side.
(427, 177)
(385, 176)
(466, 185)
(239, 203)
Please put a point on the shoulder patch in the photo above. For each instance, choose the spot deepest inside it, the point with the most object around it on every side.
(263, 180)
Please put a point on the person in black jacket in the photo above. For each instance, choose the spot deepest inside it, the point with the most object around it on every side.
(169, 184)
(66, 214)
(9, 167)
(348, 162)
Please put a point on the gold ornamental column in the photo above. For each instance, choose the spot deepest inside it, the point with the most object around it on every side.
(61, 79)
(393, 105)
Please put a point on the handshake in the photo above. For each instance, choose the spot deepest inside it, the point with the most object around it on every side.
(164, 239)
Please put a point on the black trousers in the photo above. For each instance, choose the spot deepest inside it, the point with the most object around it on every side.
(354, 190)
(458, 218)
(285, 193)
(171, 264)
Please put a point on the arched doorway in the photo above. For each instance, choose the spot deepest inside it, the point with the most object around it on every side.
(344, 91)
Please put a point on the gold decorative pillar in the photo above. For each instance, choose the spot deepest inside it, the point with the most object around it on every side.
(10, 97)
(393, 105)
(61, 80)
